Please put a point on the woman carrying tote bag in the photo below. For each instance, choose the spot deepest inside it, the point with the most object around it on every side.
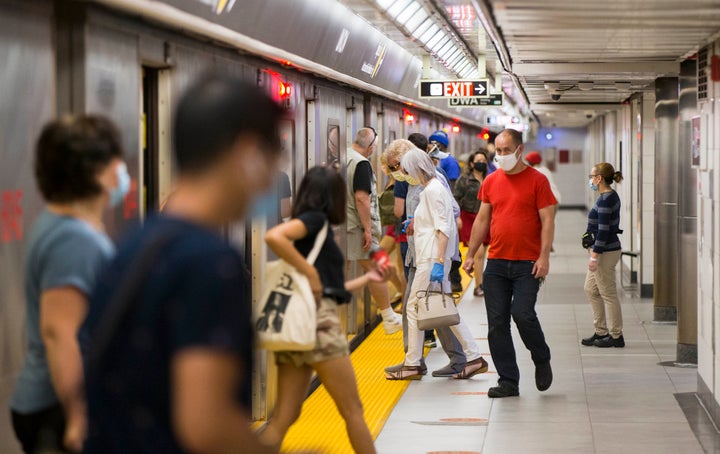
(321, 199)
(434, 231)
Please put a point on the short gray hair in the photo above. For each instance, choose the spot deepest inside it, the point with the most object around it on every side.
(418, 164)
(364, 137)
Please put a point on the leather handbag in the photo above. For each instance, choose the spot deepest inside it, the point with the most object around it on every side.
(285, 318)
(436, 309)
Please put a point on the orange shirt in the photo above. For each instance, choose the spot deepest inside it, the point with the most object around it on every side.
(515, 226)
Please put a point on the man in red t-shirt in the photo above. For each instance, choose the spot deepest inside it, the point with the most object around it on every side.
(518, 206)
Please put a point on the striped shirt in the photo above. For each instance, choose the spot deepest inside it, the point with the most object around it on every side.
(604, 222)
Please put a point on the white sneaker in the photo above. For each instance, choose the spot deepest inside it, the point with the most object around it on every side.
(392, 325)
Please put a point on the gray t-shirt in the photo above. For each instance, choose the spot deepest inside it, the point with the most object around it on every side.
(62, 252)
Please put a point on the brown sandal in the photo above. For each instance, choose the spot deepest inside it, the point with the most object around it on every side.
(405, 373)
(474, 367)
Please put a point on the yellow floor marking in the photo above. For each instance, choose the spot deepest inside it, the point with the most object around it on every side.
(320, 428)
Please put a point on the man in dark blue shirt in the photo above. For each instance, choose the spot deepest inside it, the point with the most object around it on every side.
(168, 367)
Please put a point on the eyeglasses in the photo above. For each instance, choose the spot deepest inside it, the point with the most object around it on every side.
(593, 176)
(393, 168)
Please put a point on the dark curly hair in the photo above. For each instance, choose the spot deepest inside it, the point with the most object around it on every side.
(322, 189)
(71, 152)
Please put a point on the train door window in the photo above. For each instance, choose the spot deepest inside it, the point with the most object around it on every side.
(149, 140)
(333, 157)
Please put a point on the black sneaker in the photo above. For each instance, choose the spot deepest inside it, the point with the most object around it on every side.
(590, 341)
(543, 376)
(503, 390)
(610, 341)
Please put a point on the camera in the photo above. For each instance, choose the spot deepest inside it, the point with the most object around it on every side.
(587, 239)
(555, 96)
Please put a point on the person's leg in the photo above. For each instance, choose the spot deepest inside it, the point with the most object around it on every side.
(596, 303)
(454, 351)
(403, 254)
(525, 288)
(415, 336)
(498, 299)
(42, 431)
(465, 338)
(607, 287)
(378, 290)
(338, 376)
(293, 384)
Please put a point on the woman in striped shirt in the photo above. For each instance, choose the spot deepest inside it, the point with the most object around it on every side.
(600, 287)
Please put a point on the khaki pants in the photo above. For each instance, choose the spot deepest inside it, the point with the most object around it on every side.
(601, 290)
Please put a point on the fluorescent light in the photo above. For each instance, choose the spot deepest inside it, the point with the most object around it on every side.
(408, 12)
(416, 19)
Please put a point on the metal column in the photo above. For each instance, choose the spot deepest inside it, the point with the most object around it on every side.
(666, 198)
(687, 219)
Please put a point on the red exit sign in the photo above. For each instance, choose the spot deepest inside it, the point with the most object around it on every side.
(454, 88)
(11, 216)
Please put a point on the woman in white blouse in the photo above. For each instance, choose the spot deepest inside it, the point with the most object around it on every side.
(434, 231)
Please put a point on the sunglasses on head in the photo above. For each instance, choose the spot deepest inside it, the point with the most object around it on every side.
(375, 134)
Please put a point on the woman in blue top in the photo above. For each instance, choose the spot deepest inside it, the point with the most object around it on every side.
(80, 171)
(600, 287)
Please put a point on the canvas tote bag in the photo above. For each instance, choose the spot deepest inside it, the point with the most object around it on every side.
(436, 309)
(285, 318)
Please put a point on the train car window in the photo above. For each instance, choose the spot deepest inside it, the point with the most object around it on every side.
(333, 146)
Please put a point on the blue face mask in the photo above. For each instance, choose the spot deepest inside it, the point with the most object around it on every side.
(118, 194)
(593, 186)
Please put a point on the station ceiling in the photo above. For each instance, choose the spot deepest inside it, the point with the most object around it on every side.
(594, 55)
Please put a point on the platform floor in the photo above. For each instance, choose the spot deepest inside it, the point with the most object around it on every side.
(601, 401)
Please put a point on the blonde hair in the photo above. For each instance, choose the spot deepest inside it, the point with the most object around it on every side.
(608, 173)
(396, 149)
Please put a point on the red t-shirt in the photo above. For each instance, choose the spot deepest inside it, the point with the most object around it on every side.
(515, 222)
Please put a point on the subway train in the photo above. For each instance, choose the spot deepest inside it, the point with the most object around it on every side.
(130, 60)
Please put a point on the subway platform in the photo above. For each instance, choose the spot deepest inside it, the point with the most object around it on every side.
(617, 400)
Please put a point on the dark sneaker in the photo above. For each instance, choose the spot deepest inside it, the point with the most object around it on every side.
(503, 390)
(448, 371)
(456, 287)
(610, 341)
(543, 376)
(590, 341)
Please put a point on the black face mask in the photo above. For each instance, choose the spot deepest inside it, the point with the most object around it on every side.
(480, 166)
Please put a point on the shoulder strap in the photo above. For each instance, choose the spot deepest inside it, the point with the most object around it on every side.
(319, 241)
(125, 297)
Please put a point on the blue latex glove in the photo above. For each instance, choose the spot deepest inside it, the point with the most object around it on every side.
(437, 273)
(405, 224)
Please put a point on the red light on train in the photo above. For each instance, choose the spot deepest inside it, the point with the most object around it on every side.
(409, 116)
(284, 89)
(484, 134)
(455, 128)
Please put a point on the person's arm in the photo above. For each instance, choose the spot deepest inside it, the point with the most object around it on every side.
(362, 203)
(376, 275)
(399, 208)
(280, 240)
(442, 243)
(547, 220)
(62, 311)
(206, 416)
(479, 232)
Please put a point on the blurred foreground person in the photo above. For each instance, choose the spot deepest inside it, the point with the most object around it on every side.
(320, 200)
(168, 366)
(79, 169)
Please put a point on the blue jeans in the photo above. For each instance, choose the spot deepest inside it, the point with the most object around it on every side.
(511, 290)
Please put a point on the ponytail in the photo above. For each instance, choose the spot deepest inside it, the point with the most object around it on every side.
(617, 177)
(608, 173)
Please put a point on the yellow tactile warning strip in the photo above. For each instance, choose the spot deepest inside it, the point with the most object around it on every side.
(321, 429)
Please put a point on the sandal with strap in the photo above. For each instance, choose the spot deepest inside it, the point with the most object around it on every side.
(405, 373)
(474, 367)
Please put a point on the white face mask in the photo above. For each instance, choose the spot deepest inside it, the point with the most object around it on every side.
(507, 162)
(398, 175)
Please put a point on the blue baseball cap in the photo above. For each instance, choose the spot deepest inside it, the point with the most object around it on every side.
(440, 137)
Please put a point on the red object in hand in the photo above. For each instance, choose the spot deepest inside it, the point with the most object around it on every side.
(381, 257)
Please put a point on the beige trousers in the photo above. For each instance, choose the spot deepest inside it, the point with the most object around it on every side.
(601, 290)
